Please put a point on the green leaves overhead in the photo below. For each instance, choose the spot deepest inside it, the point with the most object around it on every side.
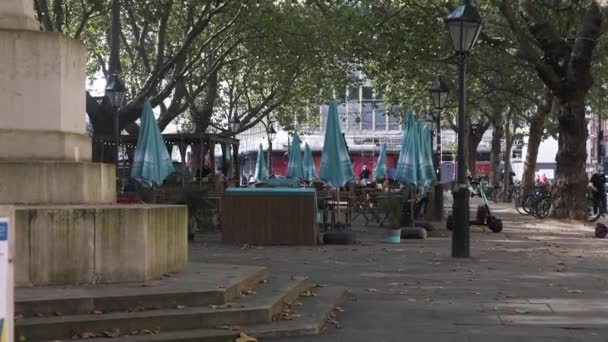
(287, 56)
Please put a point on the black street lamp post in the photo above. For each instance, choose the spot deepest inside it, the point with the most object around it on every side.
(439, 94)
(271, 133)
(116, 94)
(464, 25)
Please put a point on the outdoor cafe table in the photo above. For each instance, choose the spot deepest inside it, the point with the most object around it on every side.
(270, 216)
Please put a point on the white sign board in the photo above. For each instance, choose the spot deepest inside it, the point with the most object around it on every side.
(6, 285)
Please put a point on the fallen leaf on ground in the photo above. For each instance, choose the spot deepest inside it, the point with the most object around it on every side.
(307, 293)
(248, 292)
(246, 338)
(87, 334)
(149, 332)
(112, 333)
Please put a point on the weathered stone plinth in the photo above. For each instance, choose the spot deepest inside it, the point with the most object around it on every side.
(44, 145)
(56, 182)
(43, 82)
(17, 15)
(60, 245)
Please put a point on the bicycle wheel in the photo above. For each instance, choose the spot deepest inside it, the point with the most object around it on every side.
(592, 213)
(543, 207)
(526, 204)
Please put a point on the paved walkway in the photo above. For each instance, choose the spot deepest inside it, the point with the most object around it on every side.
(536, 281)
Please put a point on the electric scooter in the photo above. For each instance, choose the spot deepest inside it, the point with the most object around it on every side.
(484, 216)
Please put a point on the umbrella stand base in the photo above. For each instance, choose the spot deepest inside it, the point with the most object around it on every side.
(344, 237)
(413, 233)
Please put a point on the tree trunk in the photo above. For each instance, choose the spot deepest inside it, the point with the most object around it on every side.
(202, 117)
(497, 134)
(114, 67)
(42, 8)
(473, 140)
(537, 125)
(570, 176)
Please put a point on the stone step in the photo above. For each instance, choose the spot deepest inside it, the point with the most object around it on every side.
(308, 319)
(259, 307)
(187, 288)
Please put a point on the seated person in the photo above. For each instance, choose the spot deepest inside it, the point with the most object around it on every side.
(204, 171)
(364, 175)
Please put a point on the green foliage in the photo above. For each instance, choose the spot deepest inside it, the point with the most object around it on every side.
(393, 206)
(286, 57)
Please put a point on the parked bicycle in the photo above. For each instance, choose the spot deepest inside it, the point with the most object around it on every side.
(496, 193)
(537, 202)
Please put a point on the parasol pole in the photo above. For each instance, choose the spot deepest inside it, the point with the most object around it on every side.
(412, 207)
(338, 190)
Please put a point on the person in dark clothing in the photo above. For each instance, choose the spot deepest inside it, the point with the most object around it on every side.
(364, 174)
(204, 171)
(598, 184)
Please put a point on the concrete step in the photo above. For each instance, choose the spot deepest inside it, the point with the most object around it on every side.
(307, 319)
(259, 307)
(188, 288)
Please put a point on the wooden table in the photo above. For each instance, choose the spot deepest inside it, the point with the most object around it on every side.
(270, 216)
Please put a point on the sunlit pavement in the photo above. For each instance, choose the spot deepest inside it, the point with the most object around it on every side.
(535, 281)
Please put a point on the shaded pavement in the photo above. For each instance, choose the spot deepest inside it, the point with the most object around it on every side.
(535, 281)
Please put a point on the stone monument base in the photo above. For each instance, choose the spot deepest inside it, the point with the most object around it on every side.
(21, 144)
(86, 244)
(40, 182)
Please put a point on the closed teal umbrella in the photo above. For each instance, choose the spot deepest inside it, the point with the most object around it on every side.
(336, 168)
(294, 165)
(310, 172)
(408, 169)
(152, 162)
(261, 172)
(415, 164)
(380, 169)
